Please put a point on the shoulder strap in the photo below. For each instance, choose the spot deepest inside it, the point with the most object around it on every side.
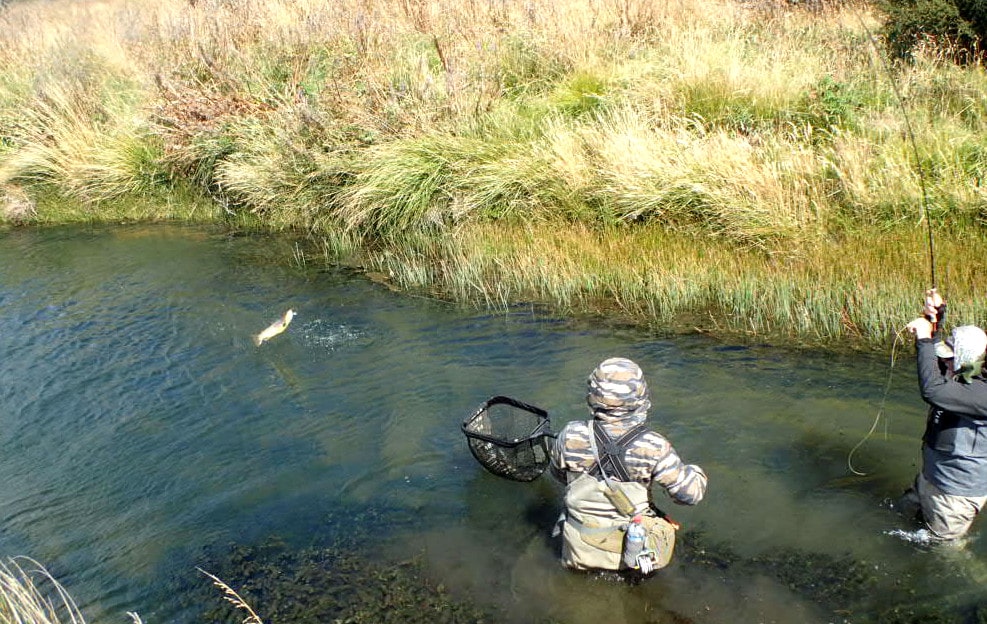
(611, 459)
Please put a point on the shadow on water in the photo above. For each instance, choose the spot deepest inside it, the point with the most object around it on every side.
(324, 477)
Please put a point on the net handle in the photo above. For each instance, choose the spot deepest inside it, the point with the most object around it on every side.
(495, 400)
(541, 432)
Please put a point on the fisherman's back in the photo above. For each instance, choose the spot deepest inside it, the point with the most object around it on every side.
(608, 465)
(650, 457)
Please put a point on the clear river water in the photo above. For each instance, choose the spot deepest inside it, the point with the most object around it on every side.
(143, 435)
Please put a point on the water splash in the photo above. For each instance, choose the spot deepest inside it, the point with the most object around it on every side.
(956, 548)
(917, 536)
(330, 336)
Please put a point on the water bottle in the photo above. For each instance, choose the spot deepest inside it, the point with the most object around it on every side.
(634, 541)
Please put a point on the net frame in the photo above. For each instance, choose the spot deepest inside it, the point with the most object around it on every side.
(518, 458)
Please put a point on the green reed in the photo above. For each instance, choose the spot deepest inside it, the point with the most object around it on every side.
(860, 291)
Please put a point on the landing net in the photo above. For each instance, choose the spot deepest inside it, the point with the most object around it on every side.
(509, 438)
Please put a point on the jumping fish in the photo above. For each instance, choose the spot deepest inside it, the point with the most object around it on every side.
(274, 328)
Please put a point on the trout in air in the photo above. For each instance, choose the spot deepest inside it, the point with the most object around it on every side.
(274, 328)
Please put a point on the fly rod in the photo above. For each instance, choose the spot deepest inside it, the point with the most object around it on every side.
(920, 173)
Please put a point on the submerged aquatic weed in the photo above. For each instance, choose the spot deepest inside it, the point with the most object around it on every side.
(339, 584)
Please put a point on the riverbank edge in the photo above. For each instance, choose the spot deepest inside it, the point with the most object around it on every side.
(642, 276)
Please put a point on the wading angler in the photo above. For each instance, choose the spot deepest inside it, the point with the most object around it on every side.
(951, 488)
(609, 465)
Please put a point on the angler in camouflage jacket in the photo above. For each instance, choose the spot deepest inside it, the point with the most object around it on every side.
(632, 457)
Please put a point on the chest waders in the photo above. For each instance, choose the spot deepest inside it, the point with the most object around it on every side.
(599, 508)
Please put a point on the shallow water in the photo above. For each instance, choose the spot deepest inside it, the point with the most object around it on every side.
(140, 429)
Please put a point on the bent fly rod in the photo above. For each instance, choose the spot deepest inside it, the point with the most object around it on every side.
(919, 169)
(920, 172)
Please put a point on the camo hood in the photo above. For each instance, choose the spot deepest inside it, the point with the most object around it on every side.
(617, 392)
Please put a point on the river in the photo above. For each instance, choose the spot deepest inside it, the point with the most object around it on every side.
(143, 434)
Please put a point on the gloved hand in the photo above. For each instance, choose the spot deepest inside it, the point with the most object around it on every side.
(933, 303)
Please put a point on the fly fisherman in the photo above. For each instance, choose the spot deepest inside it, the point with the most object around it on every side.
(951, 488)
(608, 465)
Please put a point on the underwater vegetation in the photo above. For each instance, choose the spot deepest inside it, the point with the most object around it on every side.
(850, 588)
(335, 584)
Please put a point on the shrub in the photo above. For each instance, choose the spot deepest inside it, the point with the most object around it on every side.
(955, 28)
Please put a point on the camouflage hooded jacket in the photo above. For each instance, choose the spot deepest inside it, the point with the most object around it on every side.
(618, 397)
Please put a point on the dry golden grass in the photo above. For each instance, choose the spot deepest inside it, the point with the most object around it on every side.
(29, 594)
(230, 595)
(634, 108)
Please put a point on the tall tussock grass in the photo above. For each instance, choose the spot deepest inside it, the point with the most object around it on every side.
(771, 130)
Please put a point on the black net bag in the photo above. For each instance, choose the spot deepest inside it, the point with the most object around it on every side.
(509, 438)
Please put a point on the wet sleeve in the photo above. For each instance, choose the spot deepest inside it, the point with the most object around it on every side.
(942, 391)
(685, 483)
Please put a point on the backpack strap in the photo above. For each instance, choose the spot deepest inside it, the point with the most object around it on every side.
(609, 453)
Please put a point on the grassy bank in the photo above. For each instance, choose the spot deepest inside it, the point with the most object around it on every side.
(743, 168)
(853, 290)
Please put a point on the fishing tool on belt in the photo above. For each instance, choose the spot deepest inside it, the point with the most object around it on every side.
(509, 438)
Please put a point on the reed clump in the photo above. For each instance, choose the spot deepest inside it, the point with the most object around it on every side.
(763, 135)
(29, 594)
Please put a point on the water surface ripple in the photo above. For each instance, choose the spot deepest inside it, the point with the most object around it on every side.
(140, 427)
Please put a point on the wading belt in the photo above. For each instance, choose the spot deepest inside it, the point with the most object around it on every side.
(609, 453)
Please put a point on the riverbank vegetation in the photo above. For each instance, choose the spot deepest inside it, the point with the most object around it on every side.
(29, 594)
(745, 168)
